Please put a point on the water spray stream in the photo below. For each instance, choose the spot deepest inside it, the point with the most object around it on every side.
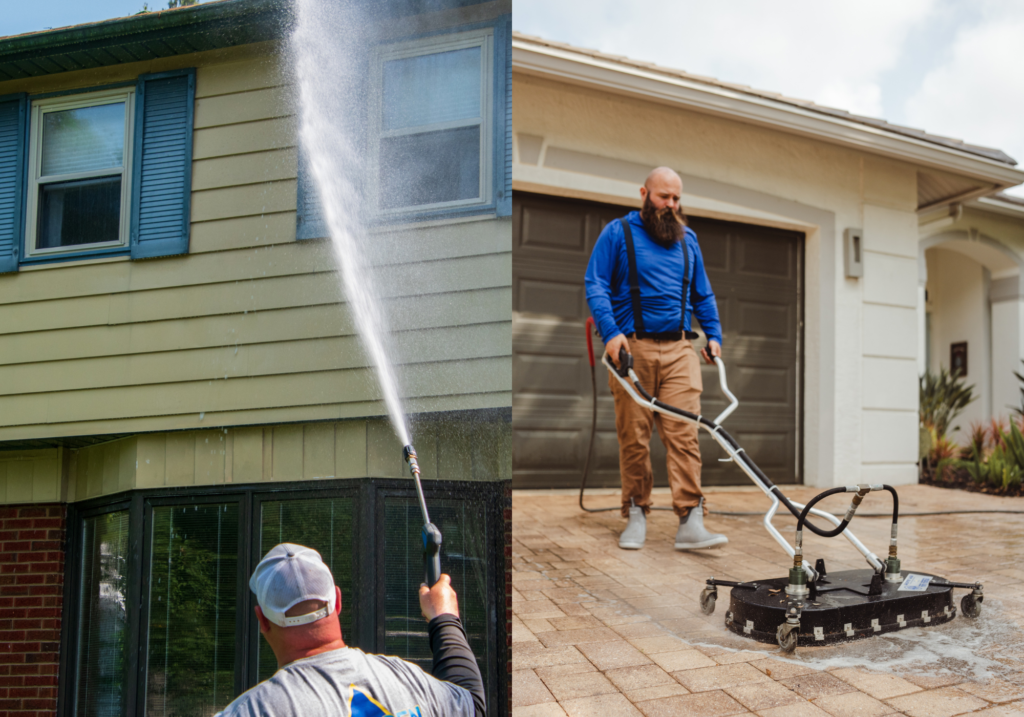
(324, 72)
(326, 50)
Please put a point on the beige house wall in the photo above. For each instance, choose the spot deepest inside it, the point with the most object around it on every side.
(860, 352)
(447, 450)
(250, 327)
(971, 267)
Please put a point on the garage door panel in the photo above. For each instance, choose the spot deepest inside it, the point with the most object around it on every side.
(755, 275)
(760, 384)
(551, 297)
(761, 319)
(549, 448)
(547, 228)
(763, 256)
(548, 375)
(715, 251)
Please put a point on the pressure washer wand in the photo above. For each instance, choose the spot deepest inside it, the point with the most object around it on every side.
(431, 535)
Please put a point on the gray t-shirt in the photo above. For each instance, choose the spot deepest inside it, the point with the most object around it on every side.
(350, 682)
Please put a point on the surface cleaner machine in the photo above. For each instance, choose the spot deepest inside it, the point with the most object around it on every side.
(812, 606)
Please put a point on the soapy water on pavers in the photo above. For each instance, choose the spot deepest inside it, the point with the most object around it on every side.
(979, 650)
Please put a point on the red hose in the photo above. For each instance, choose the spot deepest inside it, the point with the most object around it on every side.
(590, 340)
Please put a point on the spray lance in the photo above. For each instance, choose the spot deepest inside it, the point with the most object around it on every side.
(431, 535)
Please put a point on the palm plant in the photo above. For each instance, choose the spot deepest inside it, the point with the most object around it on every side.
(942, 398)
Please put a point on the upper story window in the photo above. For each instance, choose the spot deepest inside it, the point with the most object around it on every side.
(101, 173)
(434, 126)
(79, 189)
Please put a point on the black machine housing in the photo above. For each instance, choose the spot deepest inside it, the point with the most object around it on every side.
(842, 608)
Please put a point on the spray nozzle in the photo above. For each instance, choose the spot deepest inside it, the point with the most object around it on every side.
(409, 454)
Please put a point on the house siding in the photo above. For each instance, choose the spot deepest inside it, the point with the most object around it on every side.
(250, 327)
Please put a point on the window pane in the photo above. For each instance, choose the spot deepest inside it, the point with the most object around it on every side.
(429, 168)
(463, 526)
(324, 524)
(83, 139)
(192, 596)
(102, 623)
(442, 87)
(84, 212)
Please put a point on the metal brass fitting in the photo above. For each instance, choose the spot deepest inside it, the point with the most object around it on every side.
(409, 453)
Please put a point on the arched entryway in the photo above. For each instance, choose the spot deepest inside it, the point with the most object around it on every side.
(970, 305)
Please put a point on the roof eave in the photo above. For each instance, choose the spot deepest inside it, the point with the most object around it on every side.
(999, 206)
(234, 19)
(550, 62)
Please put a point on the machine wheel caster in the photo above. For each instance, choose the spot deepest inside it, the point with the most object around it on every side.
(787, 635)
(971, 606)
(708, 596)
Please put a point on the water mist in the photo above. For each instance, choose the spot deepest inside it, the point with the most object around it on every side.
(326, 50)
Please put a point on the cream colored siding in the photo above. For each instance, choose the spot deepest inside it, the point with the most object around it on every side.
(261, 454)
(30, 476)
(250, 327)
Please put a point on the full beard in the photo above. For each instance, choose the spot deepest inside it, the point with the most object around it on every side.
(666, 225)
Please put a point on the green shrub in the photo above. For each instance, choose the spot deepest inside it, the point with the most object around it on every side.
(998, 460)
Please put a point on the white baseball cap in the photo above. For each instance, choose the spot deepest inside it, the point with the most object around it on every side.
(288, 575)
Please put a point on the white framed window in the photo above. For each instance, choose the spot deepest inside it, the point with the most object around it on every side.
(79, 172)
(433, 129)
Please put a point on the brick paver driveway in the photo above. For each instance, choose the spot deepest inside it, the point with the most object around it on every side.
(599, 631)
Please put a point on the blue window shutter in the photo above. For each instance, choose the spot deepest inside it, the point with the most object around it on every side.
(162, 164)
(13, 116)
(503, 127)
(309, 217)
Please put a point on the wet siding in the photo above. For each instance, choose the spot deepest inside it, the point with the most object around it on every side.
(249, 327)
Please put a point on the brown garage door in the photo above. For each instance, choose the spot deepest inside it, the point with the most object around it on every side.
(756, 274)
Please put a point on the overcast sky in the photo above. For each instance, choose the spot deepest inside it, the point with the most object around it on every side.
(950, 67)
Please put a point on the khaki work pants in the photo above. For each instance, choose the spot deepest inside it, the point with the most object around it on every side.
(670, 371)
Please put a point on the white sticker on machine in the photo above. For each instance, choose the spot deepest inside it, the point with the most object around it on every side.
(915, 583)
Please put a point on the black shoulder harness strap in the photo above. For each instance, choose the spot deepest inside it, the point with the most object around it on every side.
(634, 293)
(634, 280)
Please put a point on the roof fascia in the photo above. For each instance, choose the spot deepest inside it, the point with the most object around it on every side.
(549, 62)
(997, 206)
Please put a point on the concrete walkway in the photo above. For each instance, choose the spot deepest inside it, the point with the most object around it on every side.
(602, 631)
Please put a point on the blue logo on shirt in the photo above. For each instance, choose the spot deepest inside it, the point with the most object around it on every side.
(362, 705)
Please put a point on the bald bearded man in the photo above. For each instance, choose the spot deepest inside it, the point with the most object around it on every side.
(645, 281)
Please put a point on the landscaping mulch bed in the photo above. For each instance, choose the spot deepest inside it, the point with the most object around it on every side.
(959, 479)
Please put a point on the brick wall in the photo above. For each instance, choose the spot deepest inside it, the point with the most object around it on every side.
(31, 592)
(508, 587)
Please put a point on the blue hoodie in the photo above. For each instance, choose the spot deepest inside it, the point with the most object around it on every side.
(661, 282)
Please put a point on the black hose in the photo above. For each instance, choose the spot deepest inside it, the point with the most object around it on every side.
(590, 447)
(752, 513)
(810, 504)
(895, 503)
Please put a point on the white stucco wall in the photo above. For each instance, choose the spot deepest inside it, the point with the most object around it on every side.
(958, 304)
(1007, 317)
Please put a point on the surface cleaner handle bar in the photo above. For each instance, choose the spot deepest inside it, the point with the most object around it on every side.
(626, 363)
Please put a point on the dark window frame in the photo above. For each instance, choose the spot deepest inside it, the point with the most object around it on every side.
(367, 633)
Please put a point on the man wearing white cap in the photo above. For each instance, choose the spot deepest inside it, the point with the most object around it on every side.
(317, 674)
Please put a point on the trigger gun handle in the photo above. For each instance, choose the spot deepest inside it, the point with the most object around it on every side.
(625, 362)
(432, 553)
